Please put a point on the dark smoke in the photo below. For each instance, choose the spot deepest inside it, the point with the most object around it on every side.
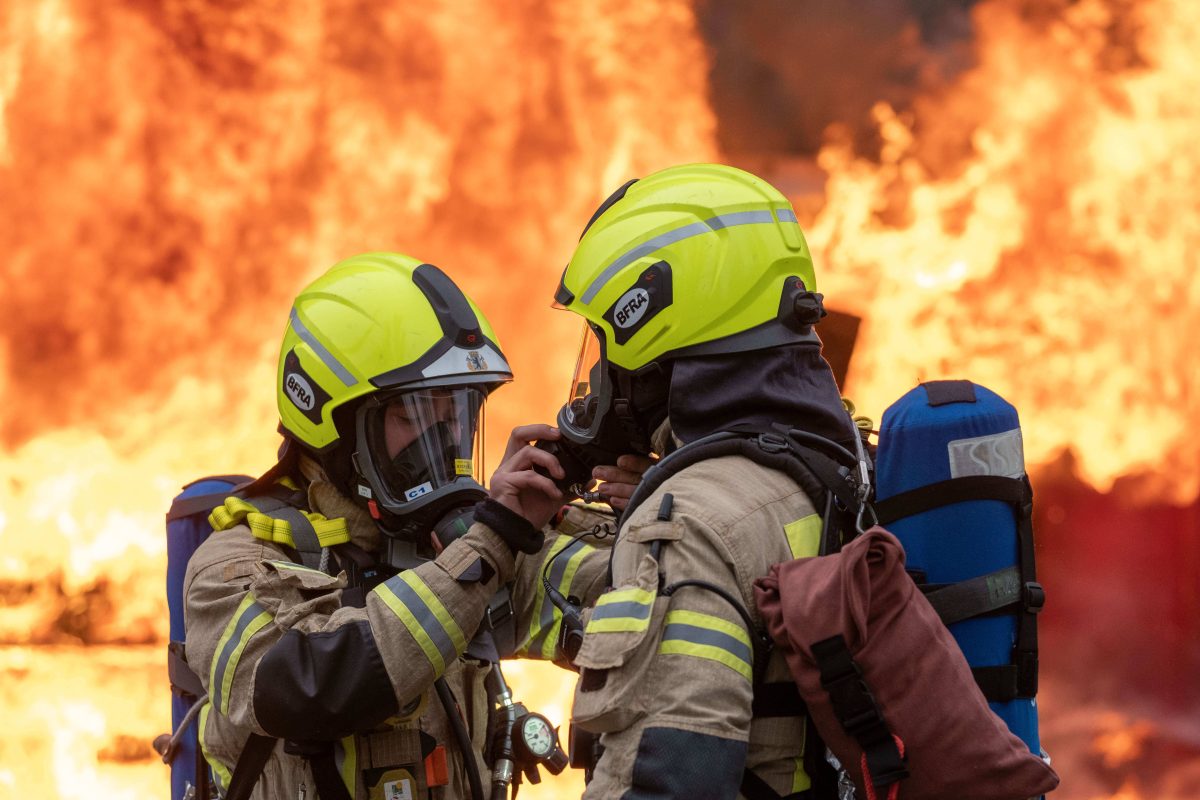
(784, 71)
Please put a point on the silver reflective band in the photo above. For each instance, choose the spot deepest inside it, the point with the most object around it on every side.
(460, 361)
(625, 609)
(681, 631)
(326, 357)
(786, 215)
(671, 237)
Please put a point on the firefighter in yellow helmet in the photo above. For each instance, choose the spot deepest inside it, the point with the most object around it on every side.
(699, 300)
(345, 615)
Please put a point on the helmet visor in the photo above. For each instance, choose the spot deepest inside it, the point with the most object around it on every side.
(589, 393)
(423, 440)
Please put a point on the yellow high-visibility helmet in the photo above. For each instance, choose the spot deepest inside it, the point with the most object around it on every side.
(384, 334)
(693, 260)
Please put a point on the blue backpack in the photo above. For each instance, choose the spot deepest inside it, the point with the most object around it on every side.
(187, 528)
(950, 484)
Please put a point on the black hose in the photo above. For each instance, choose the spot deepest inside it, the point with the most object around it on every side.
(459, 726)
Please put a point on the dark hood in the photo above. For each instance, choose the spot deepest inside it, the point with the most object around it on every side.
(792, 385)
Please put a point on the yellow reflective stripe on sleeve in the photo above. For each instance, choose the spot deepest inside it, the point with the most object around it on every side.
(564, 587)
(691, 633)
(622, 611)
(289, 566)
(221, 773)
(248, 620)
(804, 536)
(540, 602)
(543, 628)
(435, 631)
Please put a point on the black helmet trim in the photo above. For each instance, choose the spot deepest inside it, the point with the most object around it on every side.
(771, 333)
(327, 358)
(446, 364)
(607, 204)
(670, 237)
(457, 318)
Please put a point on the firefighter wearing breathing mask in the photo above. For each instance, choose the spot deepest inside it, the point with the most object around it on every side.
(346, 613)
(698, 293)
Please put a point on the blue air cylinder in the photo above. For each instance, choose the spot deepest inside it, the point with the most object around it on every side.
(930, 438)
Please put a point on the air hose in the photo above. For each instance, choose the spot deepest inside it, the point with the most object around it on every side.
(459, 726)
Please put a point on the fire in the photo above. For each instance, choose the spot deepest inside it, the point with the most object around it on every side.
(1119, 742)
(176, 171)
(1031, 227)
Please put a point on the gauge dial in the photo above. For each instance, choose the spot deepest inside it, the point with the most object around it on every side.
(538, 735)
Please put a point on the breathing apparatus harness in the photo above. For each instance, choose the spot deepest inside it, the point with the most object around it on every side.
(835, 480)
(264, 502)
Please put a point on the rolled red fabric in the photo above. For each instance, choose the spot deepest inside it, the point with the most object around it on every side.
(954, 746)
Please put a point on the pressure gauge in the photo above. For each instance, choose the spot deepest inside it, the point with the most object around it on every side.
(537, 736)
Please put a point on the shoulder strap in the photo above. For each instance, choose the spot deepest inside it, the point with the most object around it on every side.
(771, 450)
(249, 766)
(203, 503)
(989, 592)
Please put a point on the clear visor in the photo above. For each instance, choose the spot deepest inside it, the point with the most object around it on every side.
(587, 393)
(423, 440)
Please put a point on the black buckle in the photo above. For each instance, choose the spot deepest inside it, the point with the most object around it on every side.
(772, 443)
(502, 614)
(1033, 596)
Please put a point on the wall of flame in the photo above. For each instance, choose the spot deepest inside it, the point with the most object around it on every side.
(174, 170)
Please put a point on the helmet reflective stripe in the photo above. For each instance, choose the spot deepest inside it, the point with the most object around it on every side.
(457, 359)
(786, 215)
(327, 358)
(671, 237)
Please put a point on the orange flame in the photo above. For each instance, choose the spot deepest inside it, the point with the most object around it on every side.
(175, 171)
(1032, 227)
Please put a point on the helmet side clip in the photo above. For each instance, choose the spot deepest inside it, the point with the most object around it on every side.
(799, 308)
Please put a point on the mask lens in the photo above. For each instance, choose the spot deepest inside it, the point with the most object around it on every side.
(423, 440)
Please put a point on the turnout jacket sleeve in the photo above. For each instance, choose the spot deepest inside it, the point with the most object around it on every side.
(667, 679)
(679, 667)
(279, 655)
(574, 559)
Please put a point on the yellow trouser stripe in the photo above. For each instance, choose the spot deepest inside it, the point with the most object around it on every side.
(804, 536)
